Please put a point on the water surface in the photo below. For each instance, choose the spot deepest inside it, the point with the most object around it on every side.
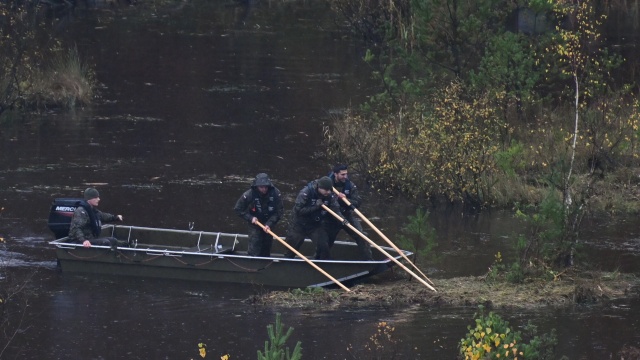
(195, 101)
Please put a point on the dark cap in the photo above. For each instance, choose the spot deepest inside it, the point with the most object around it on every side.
(262, 179)
(325, 183)
(91, 193)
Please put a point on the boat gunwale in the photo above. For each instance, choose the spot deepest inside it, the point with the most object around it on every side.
(61, 245)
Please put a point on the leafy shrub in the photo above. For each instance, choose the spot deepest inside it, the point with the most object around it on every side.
(493, 338)
(490, 338)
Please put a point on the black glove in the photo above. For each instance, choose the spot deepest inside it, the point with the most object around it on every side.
(319, 203)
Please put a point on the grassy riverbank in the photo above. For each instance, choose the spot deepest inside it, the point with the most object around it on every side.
(570, 288)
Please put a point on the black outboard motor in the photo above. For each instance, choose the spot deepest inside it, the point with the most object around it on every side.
(60, 215)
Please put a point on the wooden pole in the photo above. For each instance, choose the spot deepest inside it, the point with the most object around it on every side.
(302, 256)
(345, 222)
(346, 201)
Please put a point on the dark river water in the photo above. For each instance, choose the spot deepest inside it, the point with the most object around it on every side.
(195, 100)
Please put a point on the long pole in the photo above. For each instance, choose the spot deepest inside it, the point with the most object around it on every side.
(302, 256)
(346, 201)
(383, 251)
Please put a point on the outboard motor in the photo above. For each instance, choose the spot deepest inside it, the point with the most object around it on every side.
(60, 215)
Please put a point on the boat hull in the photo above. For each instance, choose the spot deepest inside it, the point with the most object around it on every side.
(216, 257)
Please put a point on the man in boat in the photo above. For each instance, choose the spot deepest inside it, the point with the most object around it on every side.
(87, 221)
(347, 190)
(308, 218)
(262, 202)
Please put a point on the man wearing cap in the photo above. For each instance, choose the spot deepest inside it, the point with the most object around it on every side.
(87, 220)
(308, 217)
(262, 202)
(347, 190)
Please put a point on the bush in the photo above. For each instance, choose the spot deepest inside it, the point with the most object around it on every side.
(493, 338)
(67, 83)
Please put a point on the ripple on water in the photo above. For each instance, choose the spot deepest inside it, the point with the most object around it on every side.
(629, 246)
(143, 186)
(128, 117)
(237, 88)
(11, 259)
(198, 180)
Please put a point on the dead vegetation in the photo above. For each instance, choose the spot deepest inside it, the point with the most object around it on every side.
(570, 289)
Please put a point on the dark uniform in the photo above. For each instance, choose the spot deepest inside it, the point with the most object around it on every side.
(333, 226)
(86, 224)
(308, 218)
(267, 208)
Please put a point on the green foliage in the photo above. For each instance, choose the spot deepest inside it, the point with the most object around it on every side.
(540, 347)
(414, 39)
(463, 101)
(496, 268)
(453, 34)
(443, 146)
(274, 348)
(511, 160)
(610, 130)
(576, 52)
(549, 238)
(540, 6)
(419, 237)
(515, 275)
(493, 338)
(509, 65)
(490, 338)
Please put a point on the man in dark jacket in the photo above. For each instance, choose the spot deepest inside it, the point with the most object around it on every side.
(263, 202)
(308, 218)
(340, 180)
(87, 221)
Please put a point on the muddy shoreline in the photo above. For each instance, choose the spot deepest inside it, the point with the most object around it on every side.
(585, 287)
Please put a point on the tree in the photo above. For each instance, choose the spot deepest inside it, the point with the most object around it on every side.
(274, 348)
(18, 54)
(580, 57)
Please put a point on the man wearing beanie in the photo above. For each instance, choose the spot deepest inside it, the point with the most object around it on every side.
(87, 220)
(308, 217)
